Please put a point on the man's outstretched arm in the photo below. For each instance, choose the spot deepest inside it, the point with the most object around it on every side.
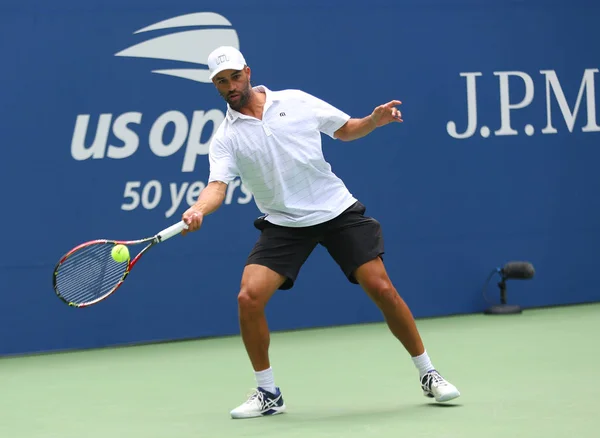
(210, 199)
(382, 115)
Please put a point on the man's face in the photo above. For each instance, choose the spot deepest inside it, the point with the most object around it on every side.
(234, 86)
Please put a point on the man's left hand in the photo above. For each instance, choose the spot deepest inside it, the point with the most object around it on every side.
(387, 113)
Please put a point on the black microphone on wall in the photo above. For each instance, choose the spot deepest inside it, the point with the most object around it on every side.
(517, 271)
(514, 270)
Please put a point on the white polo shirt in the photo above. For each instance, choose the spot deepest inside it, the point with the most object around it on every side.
(280, 159)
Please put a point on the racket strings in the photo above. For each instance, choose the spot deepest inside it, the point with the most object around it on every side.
(89, 274)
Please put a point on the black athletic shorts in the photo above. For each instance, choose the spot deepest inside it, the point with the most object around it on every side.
(351, 238)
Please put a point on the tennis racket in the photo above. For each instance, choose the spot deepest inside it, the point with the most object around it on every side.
(88, 274)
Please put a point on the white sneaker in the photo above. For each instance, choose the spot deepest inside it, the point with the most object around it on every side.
(435, 386)
(259, 404)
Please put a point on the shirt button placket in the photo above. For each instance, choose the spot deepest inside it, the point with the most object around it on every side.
(266, 129)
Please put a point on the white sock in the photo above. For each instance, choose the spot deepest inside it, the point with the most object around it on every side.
(423, 363)
(265, 380)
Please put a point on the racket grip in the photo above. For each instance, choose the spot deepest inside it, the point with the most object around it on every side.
(167, 233)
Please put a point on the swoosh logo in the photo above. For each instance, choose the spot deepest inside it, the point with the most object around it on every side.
(189, 46)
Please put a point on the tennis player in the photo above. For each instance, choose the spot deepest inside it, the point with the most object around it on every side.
(271, 140)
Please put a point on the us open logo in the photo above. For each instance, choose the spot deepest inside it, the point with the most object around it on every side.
(186, 46)
(134, 130)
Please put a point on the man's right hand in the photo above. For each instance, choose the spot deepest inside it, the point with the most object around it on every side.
(193, 218)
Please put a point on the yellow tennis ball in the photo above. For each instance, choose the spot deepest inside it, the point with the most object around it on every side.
(120, 253)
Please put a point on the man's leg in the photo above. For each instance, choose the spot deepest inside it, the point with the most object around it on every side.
(374, 279)
(259, 283)
(356, 243)
(273, 263)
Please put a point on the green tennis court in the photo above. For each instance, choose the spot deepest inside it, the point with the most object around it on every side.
(529, 375)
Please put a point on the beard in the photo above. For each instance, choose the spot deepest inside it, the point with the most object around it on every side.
(242, 99)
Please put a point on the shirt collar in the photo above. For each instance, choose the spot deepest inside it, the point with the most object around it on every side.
(233, 115)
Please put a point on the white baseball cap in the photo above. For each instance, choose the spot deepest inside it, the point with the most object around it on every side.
(225, 58)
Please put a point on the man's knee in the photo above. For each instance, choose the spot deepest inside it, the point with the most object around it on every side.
(381, 290)
(258, 285)
(250, 298)
(375, 281)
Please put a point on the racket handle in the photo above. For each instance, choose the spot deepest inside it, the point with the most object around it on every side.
(167, 233)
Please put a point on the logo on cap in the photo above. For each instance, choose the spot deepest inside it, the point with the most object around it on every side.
(221, 59)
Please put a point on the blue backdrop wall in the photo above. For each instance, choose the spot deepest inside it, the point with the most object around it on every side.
(106, 115)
